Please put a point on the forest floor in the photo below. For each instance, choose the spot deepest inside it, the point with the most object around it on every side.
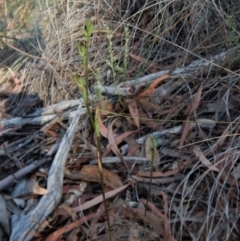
(153, 154)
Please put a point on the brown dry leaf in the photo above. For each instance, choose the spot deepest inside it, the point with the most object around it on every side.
(156, 82)
(164, 216)
(133, 146)
(73, 236)
(148, 106)
(151, 67)
(52, 133)
(119, 139)
(95, 220)
(220, 140)
(133, 109)
(91, 173)
(112, 141)
(138, 58)
(150, 122)
(196, 102)
(39, 190)
(186, 128)
(103, 129)
(199, 154)
(69, 211)
(150, 218)
(55, 235)
(99, 199)
(151, 89)
(58, 233)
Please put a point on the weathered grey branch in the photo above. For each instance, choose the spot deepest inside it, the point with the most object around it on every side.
(25, 226)
(193, 69)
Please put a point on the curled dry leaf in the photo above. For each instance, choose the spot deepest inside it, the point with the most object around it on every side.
(150, 218)
(133, 109)
(133, 146)
(39, 190)
(195, 103)
(112, 141)
(152, 88)
(167, 231)
(91, 173)
(118, 140)
(199, 154)
(148, 106)
(99, 199)
(151, 123)
(186, 128)
(55, 235)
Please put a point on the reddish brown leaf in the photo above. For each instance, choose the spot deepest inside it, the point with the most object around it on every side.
(186, 128)
(199, 154)
(195, 103)
(197, 99)
(118, 140)
(133, 147)
(150, 123)
(112, 142)
(39, 190)
(100, 211)
(164, 216)
(99, 199)
(148, 106)
(52, 133)
(58, 233)
(138, 58)
(152, 67)
(91, 173)
(150, 218)
(133, 109)
(151, 89)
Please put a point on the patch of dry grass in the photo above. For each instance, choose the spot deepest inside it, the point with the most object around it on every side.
(164, 34)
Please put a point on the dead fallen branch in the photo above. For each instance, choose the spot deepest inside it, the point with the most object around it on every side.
(193, 69)
(39, 120)
(26, 226)
(28, 169)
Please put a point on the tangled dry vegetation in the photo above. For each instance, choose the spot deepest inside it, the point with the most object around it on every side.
(169, 123)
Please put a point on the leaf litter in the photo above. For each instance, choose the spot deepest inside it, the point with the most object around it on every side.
(190, 107)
